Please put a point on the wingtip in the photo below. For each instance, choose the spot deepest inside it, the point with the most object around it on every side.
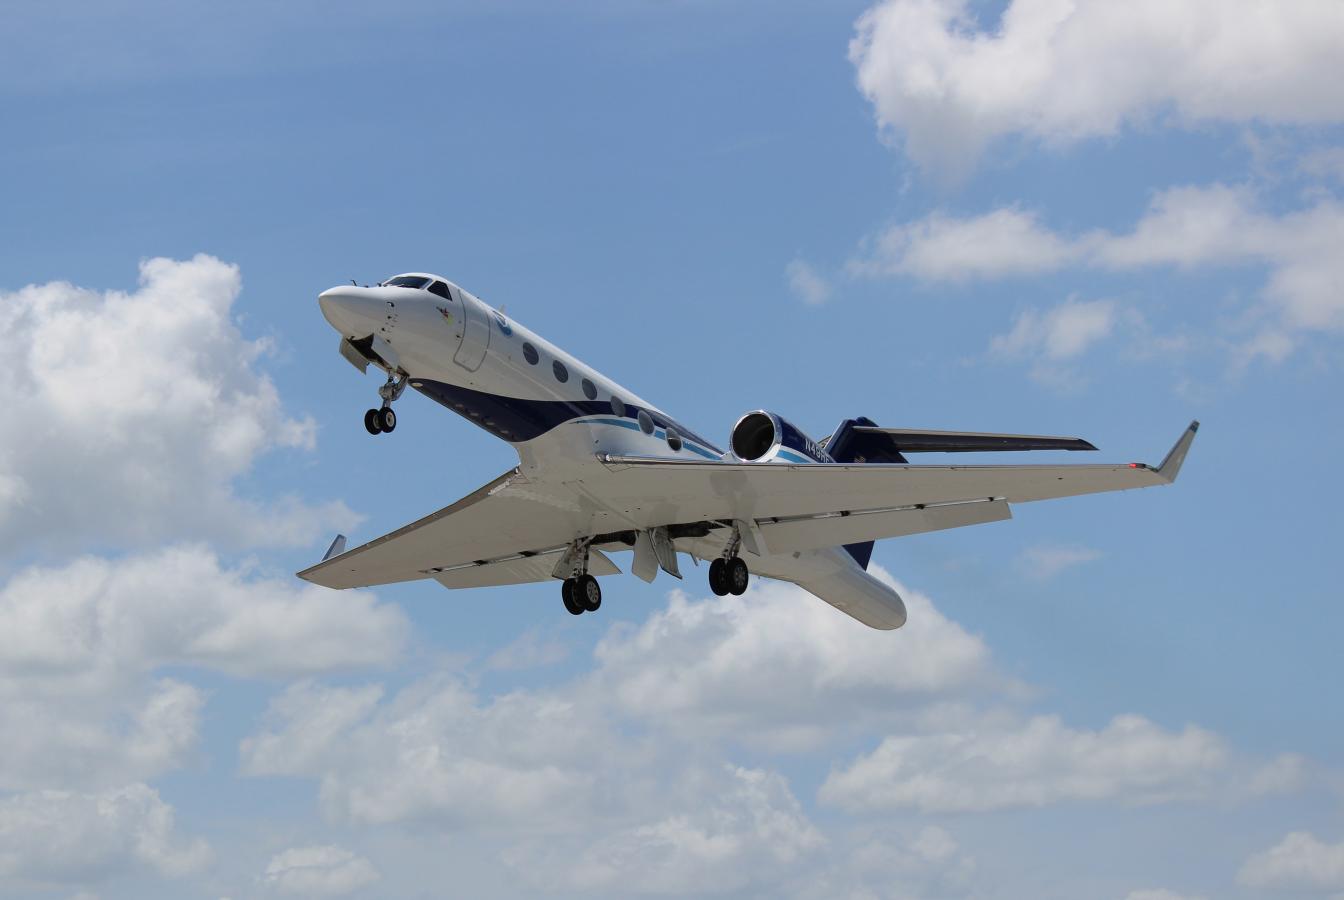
(1175, 458)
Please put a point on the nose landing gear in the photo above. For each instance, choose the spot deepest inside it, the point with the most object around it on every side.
(383, 419)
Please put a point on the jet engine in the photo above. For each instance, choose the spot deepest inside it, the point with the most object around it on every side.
(763, 436)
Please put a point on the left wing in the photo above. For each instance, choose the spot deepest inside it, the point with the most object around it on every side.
(824, 504)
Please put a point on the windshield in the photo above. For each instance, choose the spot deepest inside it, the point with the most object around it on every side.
(407, 281)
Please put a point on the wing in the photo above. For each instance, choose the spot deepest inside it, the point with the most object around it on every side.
(803, 506)
(505, 532)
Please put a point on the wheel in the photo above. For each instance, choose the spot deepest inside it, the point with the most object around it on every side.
(718, 577)
(371, 423)
(588, 593)
(567, 593)
(387, 419)
(738, 576)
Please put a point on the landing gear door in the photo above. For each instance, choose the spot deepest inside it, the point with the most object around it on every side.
(476, 335)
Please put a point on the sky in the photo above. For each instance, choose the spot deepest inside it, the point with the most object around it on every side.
(1041, 216)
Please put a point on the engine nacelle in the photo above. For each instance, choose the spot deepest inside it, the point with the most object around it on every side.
(763, 436)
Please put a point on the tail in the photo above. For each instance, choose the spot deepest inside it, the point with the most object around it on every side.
(842, 447)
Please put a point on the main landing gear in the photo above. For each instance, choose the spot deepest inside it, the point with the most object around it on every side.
(383, 419)
(728, 574)
(580, 591)
(582, 594)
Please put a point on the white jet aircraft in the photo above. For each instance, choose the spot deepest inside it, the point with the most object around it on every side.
(600, 470)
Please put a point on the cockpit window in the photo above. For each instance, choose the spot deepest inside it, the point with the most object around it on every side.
(441, 290)
(407, 281)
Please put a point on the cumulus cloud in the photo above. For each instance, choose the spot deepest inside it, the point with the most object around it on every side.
(95, 619)
(1040, 762)
(777, 666)
(59, 836)
(1057, 71)
(940, 247)
(95, 738)
(79, 705)
(1186, 227)
(436, 752)
(1300, 862)
(731, 829)
(806, 283)
(319, 871)
(139, 410)
(896, 863)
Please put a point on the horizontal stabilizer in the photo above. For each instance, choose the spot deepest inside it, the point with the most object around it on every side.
(910, 440)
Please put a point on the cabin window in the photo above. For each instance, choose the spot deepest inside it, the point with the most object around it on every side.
(407, 281)
(618, 406)
(589, 390)
(441, 290)
(673, 439)
(645, 422)
(561, 373)
(530, 354)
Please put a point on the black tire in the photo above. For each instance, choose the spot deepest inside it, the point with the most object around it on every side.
(738, 576)
(588, 593)
(371, 423)
(718, 577)
(567, 594)
(387, 419)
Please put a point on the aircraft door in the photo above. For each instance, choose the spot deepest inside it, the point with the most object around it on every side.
(476, 335)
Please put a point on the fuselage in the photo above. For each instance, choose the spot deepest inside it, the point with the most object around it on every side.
(560, 415)
(555, 410)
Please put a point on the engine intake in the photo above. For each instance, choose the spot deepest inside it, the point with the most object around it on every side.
(763, 436)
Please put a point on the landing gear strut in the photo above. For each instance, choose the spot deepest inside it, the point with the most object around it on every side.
(383, 419)
(580, 591)
(728, 574)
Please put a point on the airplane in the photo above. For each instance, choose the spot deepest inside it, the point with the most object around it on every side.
(602, 470)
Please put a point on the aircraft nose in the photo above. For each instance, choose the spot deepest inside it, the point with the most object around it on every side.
(351, 311)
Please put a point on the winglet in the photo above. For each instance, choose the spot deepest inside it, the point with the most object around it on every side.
(336, 549)
(1171, 465)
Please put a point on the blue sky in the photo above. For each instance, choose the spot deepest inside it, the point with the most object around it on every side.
(1033, 216)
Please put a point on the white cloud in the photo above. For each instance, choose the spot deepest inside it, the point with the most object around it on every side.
(133, 413)
(78, 705)
(1038, 763)
(1064, 70)
(319, 871)
(731, 829)
(1300, 862)
(1045, 561)
(882, 862)
(95, 738)
(939, 247)
(1062, 333)
(59, 836)
(807, 283)
(778, 666)
(1189, 227)
(435, 752)
(93, 619)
